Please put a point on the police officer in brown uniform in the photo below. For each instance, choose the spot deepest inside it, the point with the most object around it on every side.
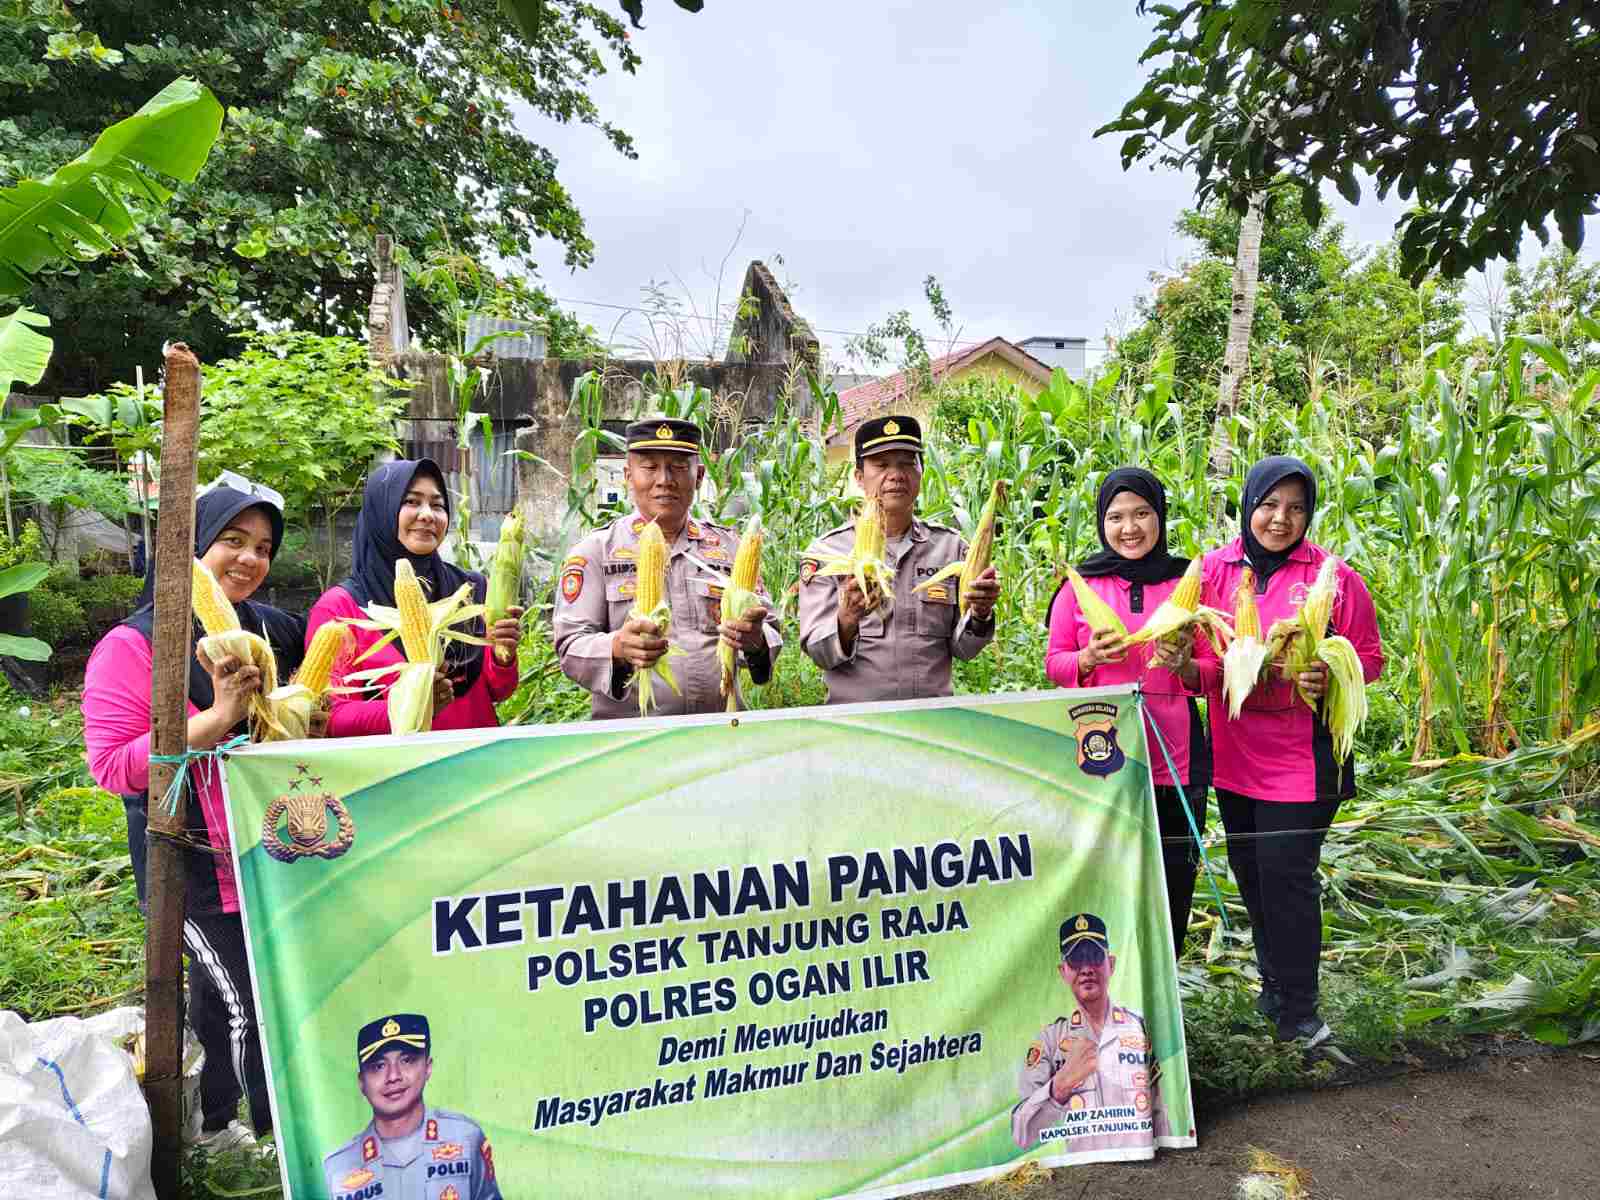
(869, 650)
(1098, 1063)
(600, 646)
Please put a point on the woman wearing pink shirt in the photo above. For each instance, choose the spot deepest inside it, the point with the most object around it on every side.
(405, 512)
(1134, 573)
(1277, 783)
(237, 530)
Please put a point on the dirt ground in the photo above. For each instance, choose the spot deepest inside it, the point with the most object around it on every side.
(1494, 1127)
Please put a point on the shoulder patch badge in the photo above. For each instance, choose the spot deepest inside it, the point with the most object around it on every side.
(808, 568)
(488, 1159)
(1035, 1053)
(572, 580)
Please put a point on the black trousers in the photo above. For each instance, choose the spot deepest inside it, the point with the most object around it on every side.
(226, 1025)
(1180, 857)
(1274, 849)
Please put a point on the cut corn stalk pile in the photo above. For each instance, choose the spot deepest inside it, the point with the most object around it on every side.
(1247, 654)
(865, 562)
(1180, 612)
(738, 598)
(979, 554)
(225, 637)
(505, 576)
(650, 603)
(424, 629)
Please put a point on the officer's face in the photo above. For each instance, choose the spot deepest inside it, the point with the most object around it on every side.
(894, 477)
(1087, 971)
(662, 485)
(393, 1081)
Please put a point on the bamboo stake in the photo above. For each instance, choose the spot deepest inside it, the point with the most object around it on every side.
(170, 736)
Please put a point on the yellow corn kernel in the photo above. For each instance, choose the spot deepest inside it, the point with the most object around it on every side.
(328, 645)
(747, 560)
(1246, 616)
(870, 540)
(1187, 593)
(211, 603)
(413, 608)
(652, 570)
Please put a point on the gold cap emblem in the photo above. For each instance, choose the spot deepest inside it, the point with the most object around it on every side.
(391, 1027)
(664, 431)
(891, 428)
(1083, 923)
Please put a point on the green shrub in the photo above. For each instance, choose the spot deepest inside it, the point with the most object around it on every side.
(56, 617)
(106, 599)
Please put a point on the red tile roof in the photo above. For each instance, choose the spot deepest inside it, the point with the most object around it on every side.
(873, 399)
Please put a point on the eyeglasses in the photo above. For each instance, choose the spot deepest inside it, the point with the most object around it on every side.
(1085, 954)
(238, 483)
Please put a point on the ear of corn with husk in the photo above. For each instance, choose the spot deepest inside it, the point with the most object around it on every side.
(1100, 615)
(1304, 639)
(650, 603)
(423, 630)
(505, 576)
(1247, 653)
(865, 562)
(738, 598)
(1181, 611)
(294, 703)
(979, 554)
(225, 636)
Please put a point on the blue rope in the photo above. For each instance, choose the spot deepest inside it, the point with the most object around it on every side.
(1194, 828)
(180, 777)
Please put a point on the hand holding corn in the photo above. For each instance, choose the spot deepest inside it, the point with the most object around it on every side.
(638, 643)
(234, 683)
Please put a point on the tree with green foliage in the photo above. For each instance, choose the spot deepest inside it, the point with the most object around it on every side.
(343, 120)
(1484, 111)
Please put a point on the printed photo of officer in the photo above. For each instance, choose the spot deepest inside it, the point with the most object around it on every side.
(1098, 1058)
(408, 1151)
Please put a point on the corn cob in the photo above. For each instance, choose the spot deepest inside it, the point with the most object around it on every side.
(1344, 708)
(423, 629)
(650, 604)
(865, 560)
(225, 637)
(293, 704)
(738, 598)
(979, 554)
(1181, 610)
(1100, 615)
(505, 575)
(1243, 660)
(1304, 640)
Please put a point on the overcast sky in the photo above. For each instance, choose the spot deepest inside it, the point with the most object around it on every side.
(874, 142)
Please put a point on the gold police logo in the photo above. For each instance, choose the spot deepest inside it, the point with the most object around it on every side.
(390, 1027)
(664, 431)
(1096, 733)
(1077, 1103)
(891, 428)
(307, 820)
(356, 1179)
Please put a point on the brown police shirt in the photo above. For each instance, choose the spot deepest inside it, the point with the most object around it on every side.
(906, 654)
(596, 589)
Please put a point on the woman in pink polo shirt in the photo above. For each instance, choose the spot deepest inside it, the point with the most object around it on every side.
(1134, 573)
(1277, 783)
(405, 512)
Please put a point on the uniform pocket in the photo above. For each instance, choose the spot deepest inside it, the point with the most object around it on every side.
(706, 596)
(936, 610)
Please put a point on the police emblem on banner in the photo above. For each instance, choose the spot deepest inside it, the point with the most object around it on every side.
(1096, 734)
(307, 823)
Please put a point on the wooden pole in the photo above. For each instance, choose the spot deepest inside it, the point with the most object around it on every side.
(169, 722)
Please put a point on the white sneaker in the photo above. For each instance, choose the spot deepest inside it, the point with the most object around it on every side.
(237, 1136)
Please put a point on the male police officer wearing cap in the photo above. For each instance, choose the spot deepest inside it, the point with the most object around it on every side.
(869, 650)
(408, 1151)
(600, 646)
(1098, 1058)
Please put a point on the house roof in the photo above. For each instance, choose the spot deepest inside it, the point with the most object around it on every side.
(1053, 337)
(858, 404)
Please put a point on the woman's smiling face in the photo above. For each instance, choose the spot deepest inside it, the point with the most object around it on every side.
(1132, 527)
(423, 516)
(241, 555)
(1280, 520)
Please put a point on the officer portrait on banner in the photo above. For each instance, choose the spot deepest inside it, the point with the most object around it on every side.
(409, 1150)
(1088, 1082)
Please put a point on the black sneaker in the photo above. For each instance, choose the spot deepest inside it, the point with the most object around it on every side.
(1269, 1003)
(1309, 1032)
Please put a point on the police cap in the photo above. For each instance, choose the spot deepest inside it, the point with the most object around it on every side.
(1083, 927)
(397, 1029)
(665, 434)
(888, 433)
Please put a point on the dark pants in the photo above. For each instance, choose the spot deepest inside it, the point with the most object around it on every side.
(216, 950)
(1180, 857)
(1274, 850)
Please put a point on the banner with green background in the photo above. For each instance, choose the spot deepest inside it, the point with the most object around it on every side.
(798, 953)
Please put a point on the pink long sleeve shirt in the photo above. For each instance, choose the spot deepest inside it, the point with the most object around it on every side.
(116, 733)
(1278, 748)
(1167, 701)
(355, 717)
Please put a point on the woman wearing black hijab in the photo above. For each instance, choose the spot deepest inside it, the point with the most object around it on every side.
(405, 513)
(1277, 783)
(236, 534)
(1134, 573)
